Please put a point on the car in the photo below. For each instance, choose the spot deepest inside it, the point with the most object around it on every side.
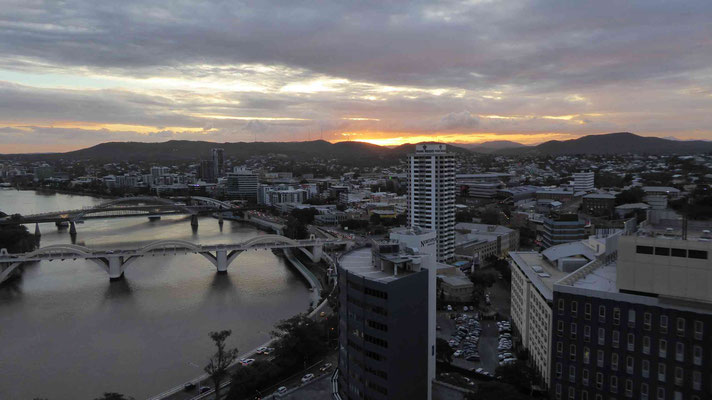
(306, 378)
(246, 361)
(189, 386)
(205, 389)
(268, 350)
(261, 350)
(281, 390)
(457, 353)
(464, 308)
(325, 367)
(449, 307)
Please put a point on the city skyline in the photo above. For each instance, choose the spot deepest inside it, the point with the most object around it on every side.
(455, 72)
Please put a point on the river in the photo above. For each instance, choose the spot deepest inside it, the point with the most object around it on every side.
(66, 332)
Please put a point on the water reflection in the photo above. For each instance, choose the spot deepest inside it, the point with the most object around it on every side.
(74, 334)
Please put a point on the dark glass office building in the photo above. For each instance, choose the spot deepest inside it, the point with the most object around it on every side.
(384, 325)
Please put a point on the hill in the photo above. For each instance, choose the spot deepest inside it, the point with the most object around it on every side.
(615, 143)
(349, 153)
(492, 146)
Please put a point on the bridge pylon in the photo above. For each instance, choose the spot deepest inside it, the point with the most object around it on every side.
(72, 228)
(194, 220)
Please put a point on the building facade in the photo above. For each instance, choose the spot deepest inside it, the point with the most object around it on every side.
(562, 229)
(386, 323)
(431, 195)
(636, 328)
(584, 181)
(217, 155)
(242, 184)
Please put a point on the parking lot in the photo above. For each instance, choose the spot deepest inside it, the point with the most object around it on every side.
(488, 332)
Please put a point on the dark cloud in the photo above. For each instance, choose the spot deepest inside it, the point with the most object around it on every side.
(400, 66)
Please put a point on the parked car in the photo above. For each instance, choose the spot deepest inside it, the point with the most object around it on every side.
(280, 391)
(189, 386)
(325, 367)
(246, 361)
(306, 378)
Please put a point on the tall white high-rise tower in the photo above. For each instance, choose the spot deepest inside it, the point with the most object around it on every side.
(431, 195)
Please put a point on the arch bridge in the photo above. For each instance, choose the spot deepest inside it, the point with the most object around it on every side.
(149, 206)
(115, 262)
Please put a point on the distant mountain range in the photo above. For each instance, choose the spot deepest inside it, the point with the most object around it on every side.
(491, 146)
(360, 153)
(615, 143)
(349, 153)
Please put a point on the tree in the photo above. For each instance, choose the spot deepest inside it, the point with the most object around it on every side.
(221, 360)
(16, 239)
(490, 216)
(295, 229)
(113, 396)
(443, 351)
(299, 341)
(486, 277)
(632, 195)
(518, 375)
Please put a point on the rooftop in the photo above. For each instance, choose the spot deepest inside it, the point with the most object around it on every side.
(539, 270)
(360, 262)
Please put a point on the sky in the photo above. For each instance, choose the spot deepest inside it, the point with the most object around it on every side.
(76, 73)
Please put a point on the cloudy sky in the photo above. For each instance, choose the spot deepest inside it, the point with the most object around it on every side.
(75, 73)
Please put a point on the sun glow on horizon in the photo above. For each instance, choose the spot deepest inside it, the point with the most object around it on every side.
(463, 138)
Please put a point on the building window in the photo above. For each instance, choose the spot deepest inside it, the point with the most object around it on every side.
(559, 349)
(698, 254)
(614, 384)
(628, 388)
(631, 342)
(629, 365)
(559, 370)
(647, 321)
(616, 316)
(572, 373)
(599, 358)
(584, 377)
(644, 249)
(615, 338)
(558, 391)
(602, 313)
(574, 308)
(631, 318)
(573, 330)
(662, 251)
(696, 380)
(572, 393)
(661, 393)
(584, 395)
(679, 375)
(697, 355)
(698, 330)
(561, 306)
(614, 362)
(587, 333)
(646, 344)
(680, 327)
(586, 355)
(599, 380)
(645, 369)
(560, 328)
(679, 351)
(587, 311)
(663, 323)
(601, 336)
(678, 252)
(643, 391)
(661, 372)
(662, 350)
(572, 352)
